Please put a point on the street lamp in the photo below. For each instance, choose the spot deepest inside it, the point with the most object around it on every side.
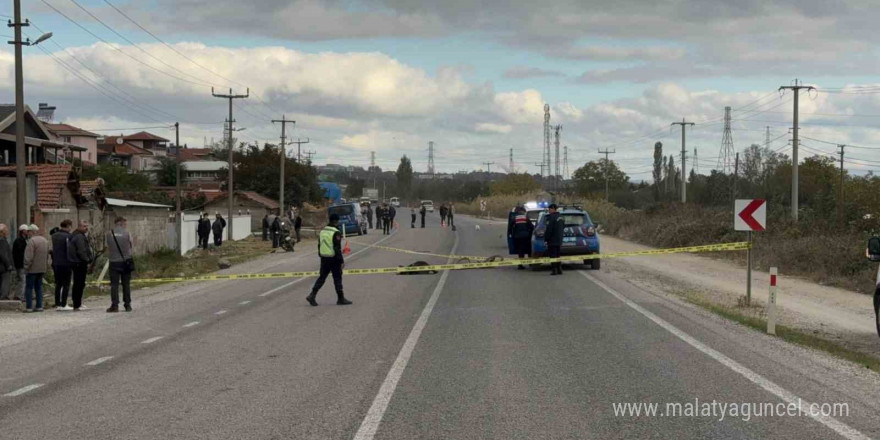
(22, 216)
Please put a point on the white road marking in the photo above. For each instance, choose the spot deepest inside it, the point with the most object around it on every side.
(244, 303)
(190, 324)
(220, 312)
(298, 280)
(99, 361)
(21, 391)
(788, 397)
(377, 410)
(151, 340)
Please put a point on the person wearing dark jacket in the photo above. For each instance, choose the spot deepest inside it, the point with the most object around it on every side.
(275, 229)
(422, 212)
(386, 219)
(520, 230)
(392, 213)
(297, 225)
(443, 215)
(330, 251)
(266, 227)
(203, 229)
(369, 216)
(217, 228)
(18, 248)
(412, 212)
(119, 245)
(61, 265)
(7, 267)
(379, 215)
(79, 254)
(553, 237)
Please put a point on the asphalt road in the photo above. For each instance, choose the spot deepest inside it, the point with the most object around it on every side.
(502, 354)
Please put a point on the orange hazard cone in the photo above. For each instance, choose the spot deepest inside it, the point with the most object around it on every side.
(347, 249)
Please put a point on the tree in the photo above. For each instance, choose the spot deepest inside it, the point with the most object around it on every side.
(166, 171)
(404, 176)
(355, 189)
(590, 178)
(117, 178)
(658, 168)
(258, 169)
(516, 184)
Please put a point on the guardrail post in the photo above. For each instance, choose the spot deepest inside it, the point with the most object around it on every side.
(771, 304)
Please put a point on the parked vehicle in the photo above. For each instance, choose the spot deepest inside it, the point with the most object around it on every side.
(395, 202)
(429, 205)
(579, 236)
(351, 221)
(287, 243)
(873, 253)
(534, 209)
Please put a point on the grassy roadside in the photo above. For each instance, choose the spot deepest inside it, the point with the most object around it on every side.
(756, 321)
(167, 263)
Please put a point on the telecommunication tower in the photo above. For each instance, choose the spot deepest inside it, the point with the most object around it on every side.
(546, 155)
(725, 156)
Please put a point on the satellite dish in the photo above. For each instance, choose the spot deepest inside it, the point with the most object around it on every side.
(119, 141)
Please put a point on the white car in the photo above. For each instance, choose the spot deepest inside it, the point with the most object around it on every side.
(395, 202)
(429, 205)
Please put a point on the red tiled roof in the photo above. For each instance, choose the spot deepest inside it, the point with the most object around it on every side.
(144, 136)
(256, 197)
(194, 154)
(51, 180)
(124, 149)
(68, 130)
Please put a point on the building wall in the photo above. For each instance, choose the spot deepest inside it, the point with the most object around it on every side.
(88, 142)
(7, 199)
(190, 237)
(147, 226)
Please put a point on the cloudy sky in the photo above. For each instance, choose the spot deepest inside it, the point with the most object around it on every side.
(391, 75)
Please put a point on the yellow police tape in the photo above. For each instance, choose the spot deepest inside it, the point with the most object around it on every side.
(407, 251)
(736, 246)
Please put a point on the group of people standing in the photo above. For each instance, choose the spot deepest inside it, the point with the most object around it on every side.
(273, 224)
(204, 228)
(70, 255)
(520, 229)
(447, 215)
(385, 214)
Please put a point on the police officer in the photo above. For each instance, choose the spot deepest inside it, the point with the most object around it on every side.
(553, 237)
(520, 230)
(330, 250)
(386, 219)
(422, 213)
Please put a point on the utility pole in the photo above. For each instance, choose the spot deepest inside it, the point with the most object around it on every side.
(542, 168)
(372, 159)
(767, 138)
(299, 143)
(796, 88)
(842, 180)
(229, 187)
(557, 172)
(309, 154)
(696, 166)
(179, 215)
(22, 215)
(606, 153)
(683, 123)
(735, 178)
(510, 167)
(431, 158)
(488, 167)
(284, 121)
(565, 173)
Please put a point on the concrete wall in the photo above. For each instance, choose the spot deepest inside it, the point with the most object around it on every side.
(7, 198)
(147, 226)
(257, 211)
(241, 230)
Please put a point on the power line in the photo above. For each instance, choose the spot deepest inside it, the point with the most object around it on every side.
(112, 46)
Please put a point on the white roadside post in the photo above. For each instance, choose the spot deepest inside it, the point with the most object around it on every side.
(771, 304)
(749, 215)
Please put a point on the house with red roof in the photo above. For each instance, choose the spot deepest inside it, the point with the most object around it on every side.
(41, 146)
(69, 134)
(137, 152)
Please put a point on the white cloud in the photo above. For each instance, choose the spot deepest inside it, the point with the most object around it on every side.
(488, 127)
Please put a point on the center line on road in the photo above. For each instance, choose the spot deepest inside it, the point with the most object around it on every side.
(21, 391)
(380, 404)
(99, 361)
(244, 303)
(151, 340)
(190, 324)
(220, 312)
(788, 397)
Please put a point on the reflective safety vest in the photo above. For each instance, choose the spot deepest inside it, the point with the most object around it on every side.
(325, 239)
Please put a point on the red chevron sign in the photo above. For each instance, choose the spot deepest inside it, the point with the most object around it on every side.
(750, 215)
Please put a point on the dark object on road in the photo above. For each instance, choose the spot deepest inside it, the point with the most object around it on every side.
(418, 272)
(224, 264)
